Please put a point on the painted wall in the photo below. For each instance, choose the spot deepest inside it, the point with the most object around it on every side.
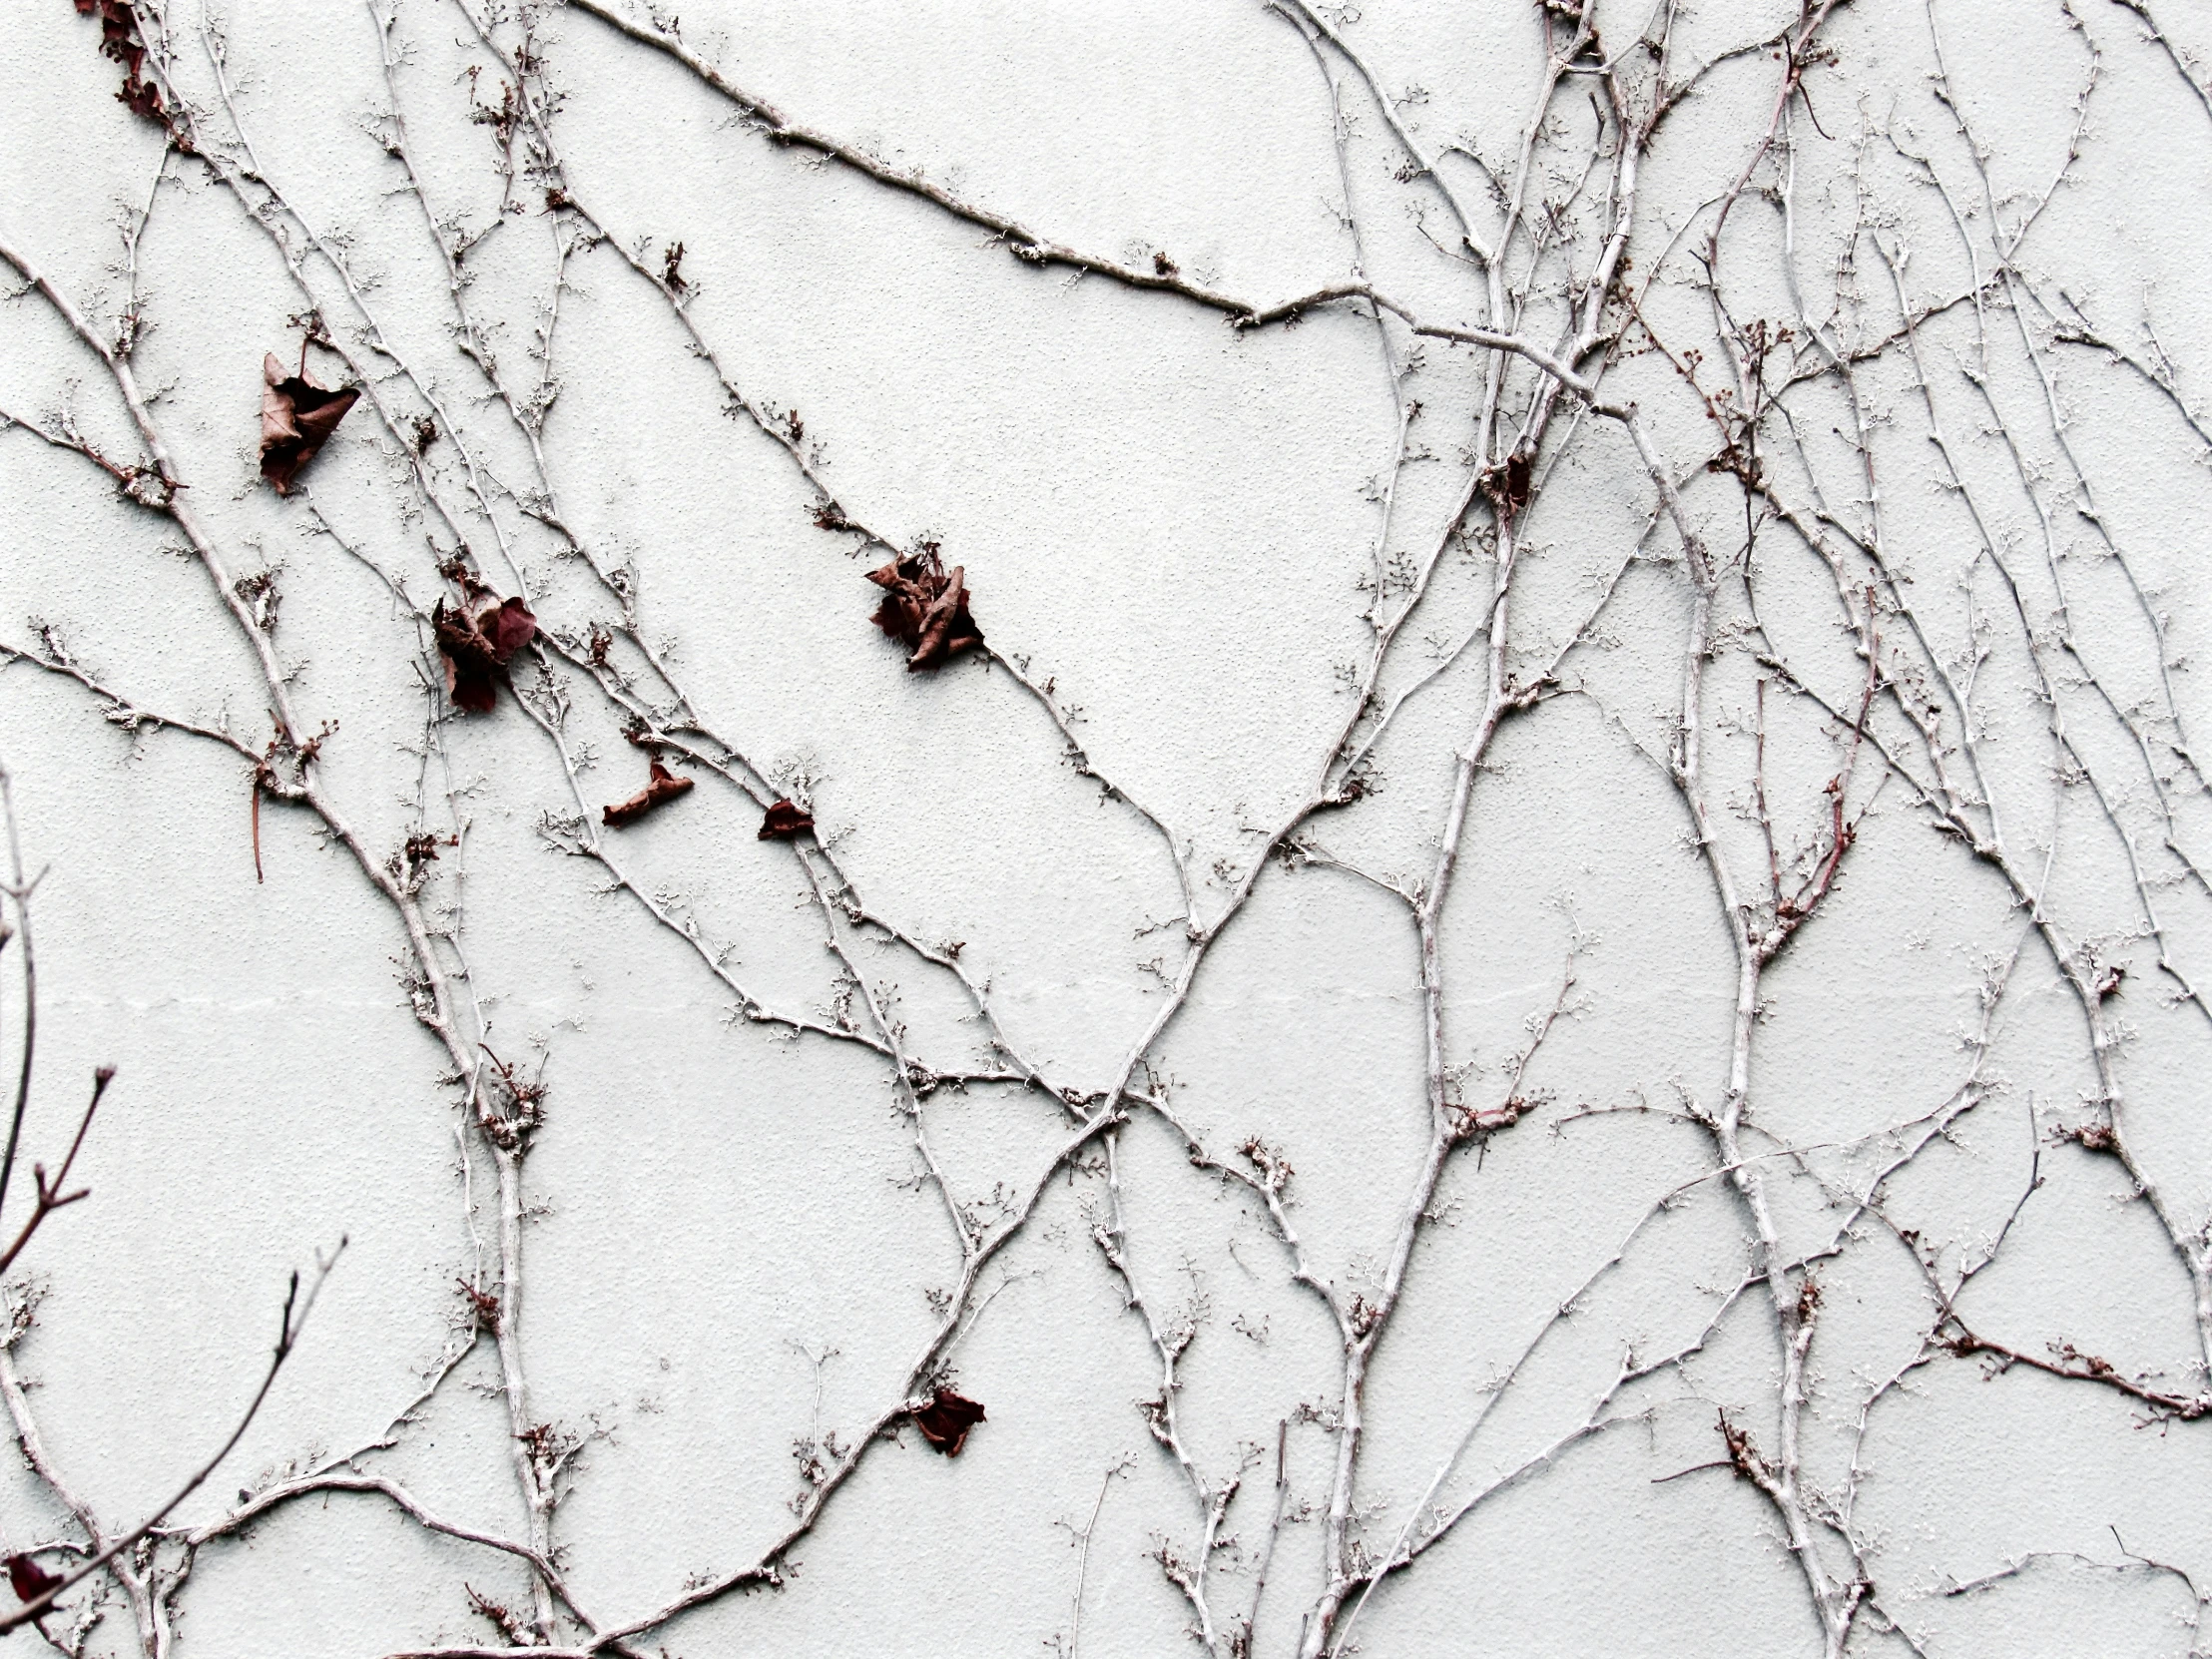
(1540, 993)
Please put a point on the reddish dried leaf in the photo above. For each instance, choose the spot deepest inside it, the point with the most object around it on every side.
(664, 787)
(298, 419)
(478, 650)
(28, 1579)
(1517, 479)
(119, 37)
(509, 627)
(785, 822)
(142, 100)
(471, 671)
(945, 614)
(899, 616)
(926, 607)
(946, 1420)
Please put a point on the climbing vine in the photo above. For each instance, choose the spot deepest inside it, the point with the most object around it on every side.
(1563, 955)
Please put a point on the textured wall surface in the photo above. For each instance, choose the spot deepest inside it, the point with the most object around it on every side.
(1539, 991)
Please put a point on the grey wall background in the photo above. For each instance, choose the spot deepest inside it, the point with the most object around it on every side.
(1970, 1100)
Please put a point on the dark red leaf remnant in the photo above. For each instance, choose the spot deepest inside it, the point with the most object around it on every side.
(298, 419)
(142, 98)
(509, 626)
(946, 1420)
(926, 607)
(119, 39)
(28, 1579)
(478, 650)
(663, 786)
(785, 822)
(1518, 480)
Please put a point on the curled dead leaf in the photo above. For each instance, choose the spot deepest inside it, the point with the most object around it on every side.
(298, 419)
(663, 786)
(478, 648)
(785, 822)
(926, 607)
(946, 1420)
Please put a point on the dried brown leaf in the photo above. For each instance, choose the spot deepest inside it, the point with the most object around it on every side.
(28, 1579)
(785, 822)
(509, 627)
(119, 39)
(926, 607)
(143, 99)
(663, 786)
(298, 419)
(946, 1420)
(478, 648)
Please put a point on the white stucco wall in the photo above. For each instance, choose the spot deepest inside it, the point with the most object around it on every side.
(728, 1241)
